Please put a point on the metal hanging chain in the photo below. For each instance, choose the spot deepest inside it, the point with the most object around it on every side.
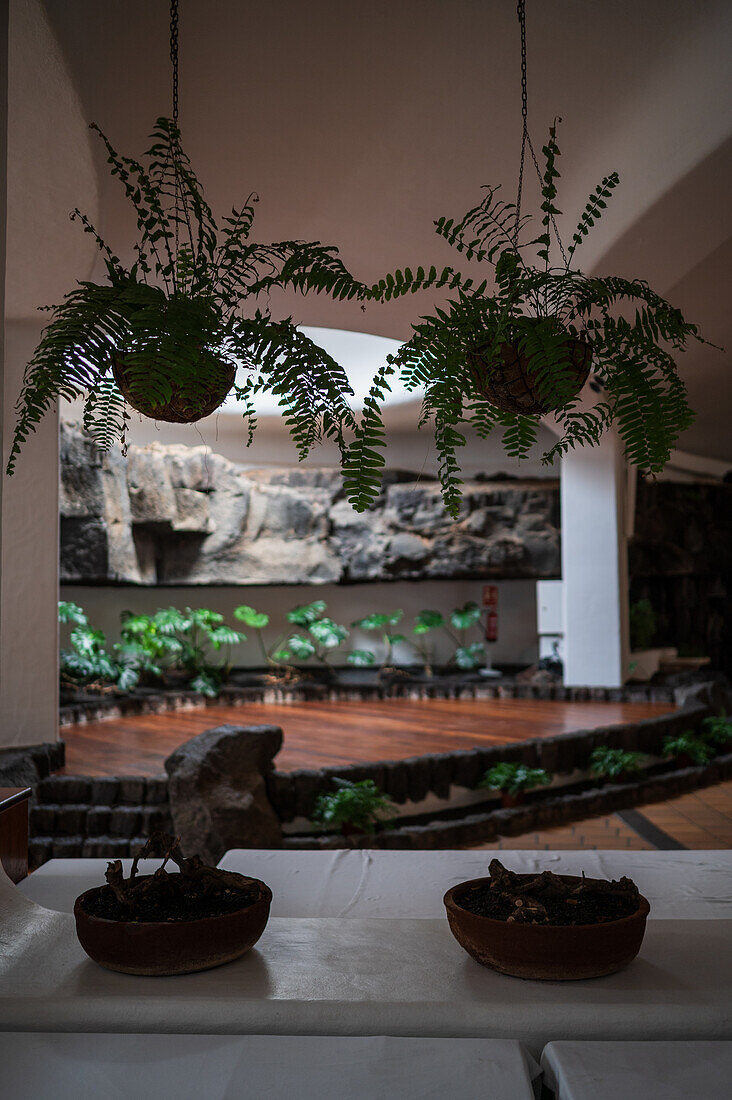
(175, 150)
(521, 12)
(174, 54)
(526, 136)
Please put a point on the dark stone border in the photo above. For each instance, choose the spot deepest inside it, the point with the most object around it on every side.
(293, 793)
(543, 814)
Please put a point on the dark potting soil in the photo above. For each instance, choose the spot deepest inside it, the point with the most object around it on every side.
(179, 902)
(586, 909)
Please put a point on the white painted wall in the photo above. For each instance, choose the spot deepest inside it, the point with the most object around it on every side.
(517, 641)
(50, 170)
(594, 566)
(28, 566)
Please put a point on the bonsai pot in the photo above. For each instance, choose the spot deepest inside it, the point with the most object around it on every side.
(508, 381)
(509, 801)
(171, 947)
(545, 951)
(179, 409)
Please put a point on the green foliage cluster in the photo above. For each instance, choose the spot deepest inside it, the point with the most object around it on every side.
(541, 307)
(194, 306)
(613, 763)
(86, 660)
(717, 730)
(151, 647)
(318, 636)
(513, 778)
(698, 748)
(688, 744)
(381, 623)
(174, 641)
(468, 653)
(188, 312)
(360, 807)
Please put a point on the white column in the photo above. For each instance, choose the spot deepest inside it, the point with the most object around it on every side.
(28, 521)
(595, 565)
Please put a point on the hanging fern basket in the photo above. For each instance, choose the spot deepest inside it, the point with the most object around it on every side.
(508, 381)
(183, 404)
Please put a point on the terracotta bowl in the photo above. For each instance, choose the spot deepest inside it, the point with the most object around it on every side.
(545, 951)
(171, 947)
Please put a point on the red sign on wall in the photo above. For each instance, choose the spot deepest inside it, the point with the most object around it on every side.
(490, 603)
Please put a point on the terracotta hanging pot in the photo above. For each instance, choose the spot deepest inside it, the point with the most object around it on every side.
(507, 380)
(180, 409)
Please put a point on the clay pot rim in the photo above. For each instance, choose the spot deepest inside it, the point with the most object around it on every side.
(265, 896)
(452, 906)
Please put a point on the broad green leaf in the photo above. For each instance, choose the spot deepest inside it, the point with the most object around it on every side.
(257, 620)
(462, 618)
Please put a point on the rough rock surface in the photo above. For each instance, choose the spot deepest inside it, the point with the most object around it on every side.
(218, 794)
(174, 515)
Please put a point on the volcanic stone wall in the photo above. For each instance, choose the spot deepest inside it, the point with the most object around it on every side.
(175, 515)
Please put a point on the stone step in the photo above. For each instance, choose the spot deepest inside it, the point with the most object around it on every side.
(43, 848)
(123, 790)
(68, 819)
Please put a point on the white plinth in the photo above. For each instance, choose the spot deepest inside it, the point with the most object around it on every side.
(325, 976)
(281, 1067)
(639, 1071)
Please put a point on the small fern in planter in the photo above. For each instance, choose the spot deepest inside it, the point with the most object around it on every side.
(354, 807)
(620, 764)
(688, 750)
(513, 780)
(500, 359)
(167, 334)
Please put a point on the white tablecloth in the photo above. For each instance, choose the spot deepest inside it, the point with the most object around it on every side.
(690, 885)
(225, 1067)
(329, 976)
(639, 1071)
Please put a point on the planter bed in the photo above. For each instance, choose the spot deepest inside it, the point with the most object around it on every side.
(543, 813)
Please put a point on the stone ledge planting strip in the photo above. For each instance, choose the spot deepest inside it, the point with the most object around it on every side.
(543, 814)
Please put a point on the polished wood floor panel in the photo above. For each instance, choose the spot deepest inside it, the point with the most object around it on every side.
(324, 733)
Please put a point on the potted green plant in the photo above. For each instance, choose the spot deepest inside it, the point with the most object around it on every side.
(318, 636)
(167, 334)
(619, 764)
(513, 780)
(354, 807)
(178, 645)
(688, 750)
(500, 356)
(716, 731)
(162, 924)
(379, 622)
(426, 622)
(85, 663)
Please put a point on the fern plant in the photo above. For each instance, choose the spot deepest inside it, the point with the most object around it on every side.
(550, 320)
(170, 330)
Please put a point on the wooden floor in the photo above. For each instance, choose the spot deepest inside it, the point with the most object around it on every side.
(321, 733)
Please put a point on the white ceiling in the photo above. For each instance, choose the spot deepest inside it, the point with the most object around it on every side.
(360, 123)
